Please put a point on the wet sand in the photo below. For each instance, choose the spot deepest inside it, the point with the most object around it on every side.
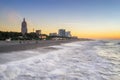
(25, 45)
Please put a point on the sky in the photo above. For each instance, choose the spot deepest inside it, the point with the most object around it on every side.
(84, 18)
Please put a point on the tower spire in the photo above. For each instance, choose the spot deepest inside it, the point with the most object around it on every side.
(23, 19)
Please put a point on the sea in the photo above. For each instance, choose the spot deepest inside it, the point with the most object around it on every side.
(81, 60)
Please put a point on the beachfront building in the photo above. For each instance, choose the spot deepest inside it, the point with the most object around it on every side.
(38, 32)
(53, 34)
(61, 32)
(24, 27)
(67, 34)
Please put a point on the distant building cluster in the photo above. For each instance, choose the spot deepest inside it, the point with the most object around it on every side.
(62, 33)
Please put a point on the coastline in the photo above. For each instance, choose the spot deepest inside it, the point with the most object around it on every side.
(6, 47)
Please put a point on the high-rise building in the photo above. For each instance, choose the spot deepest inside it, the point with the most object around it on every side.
(24, 27)
(61, 32)
(68, 34)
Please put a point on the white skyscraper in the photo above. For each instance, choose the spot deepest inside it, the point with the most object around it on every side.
(68, 34)
(61, 32)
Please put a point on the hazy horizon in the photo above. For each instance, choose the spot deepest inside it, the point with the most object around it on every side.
(84, 18)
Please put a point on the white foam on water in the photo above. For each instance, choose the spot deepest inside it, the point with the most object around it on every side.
(84, 60)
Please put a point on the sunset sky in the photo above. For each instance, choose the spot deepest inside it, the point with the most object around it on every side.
(84, 18)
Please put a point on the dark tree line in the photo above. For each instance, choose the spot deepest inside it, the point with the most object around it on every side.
(19, 36)
(7, 35)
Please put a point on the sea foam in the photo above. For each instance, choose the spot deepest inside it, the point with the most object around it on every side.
(82, 60)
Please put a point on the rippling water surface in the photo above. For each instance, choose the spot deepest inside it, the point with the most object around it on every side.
(83, 60)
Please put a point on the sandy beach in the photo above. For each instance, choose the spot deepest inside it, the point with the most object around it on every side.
(15, 51)
(25, 45)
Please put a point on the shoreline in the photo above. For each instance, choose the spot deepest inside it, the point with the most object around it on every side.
(6, 47)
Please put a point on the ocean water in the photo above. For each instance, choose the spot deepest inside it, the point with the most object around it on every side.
(82, 60)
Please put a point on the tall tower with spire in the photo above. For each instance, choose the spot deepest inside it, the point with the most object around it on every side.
(24, 27)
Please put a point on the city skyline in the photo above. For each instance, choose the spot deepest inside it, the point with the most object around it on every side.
(84, 18)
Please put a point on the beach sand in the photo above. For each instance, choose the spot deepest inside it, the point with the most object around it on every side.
(12, 46)
(15, 51)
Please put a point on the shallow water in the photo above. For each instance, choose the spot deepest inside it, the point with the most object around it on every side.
(84, 60)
